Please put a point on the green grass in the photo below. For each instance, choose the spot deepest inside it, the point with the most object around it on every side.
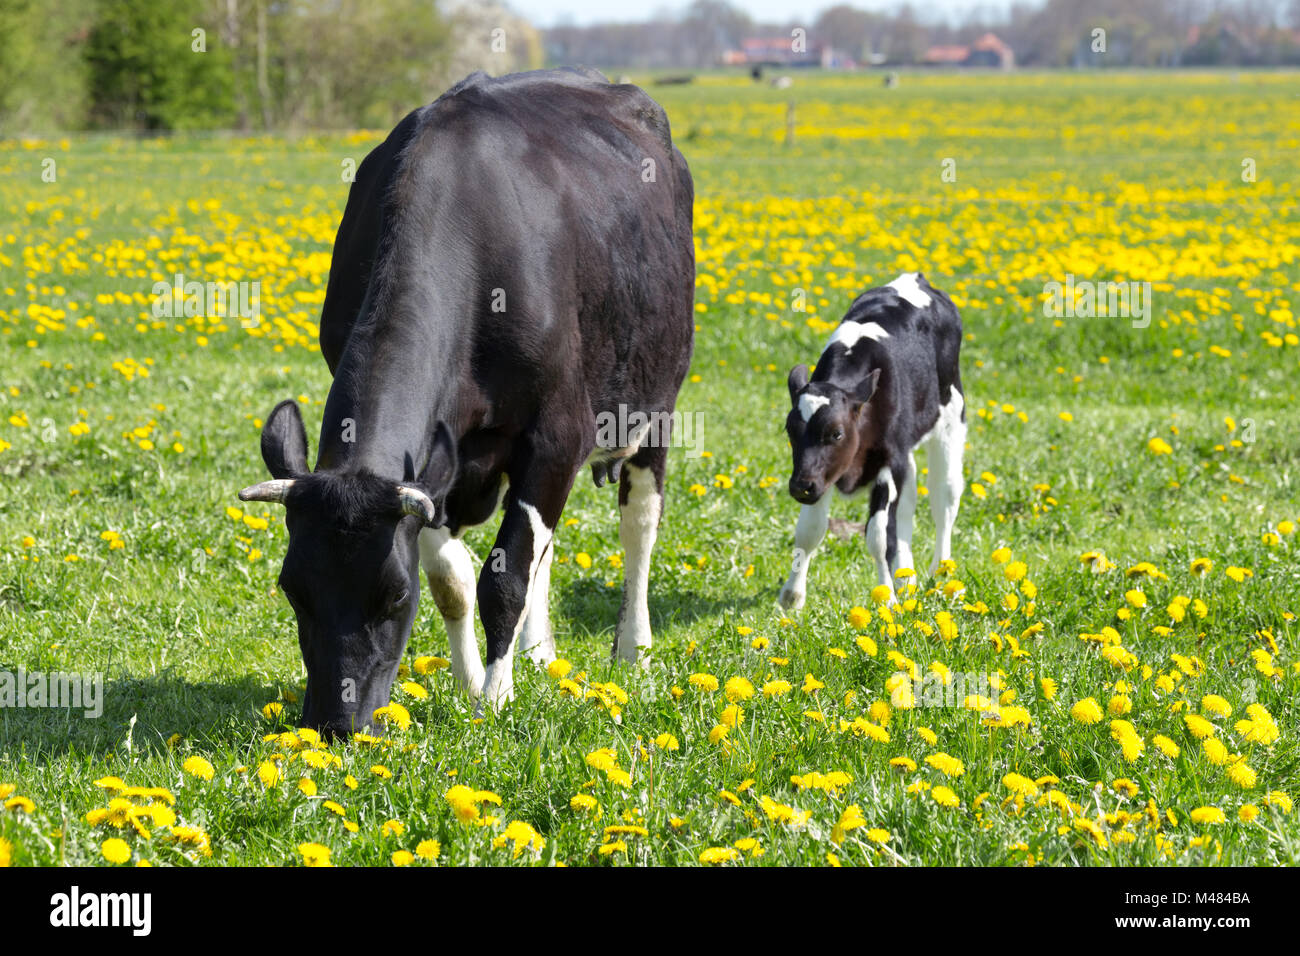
(1134, 176)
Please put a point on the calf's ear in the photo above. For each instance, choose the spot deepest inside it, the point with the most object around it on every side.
(866, 388)
(797, 381)
(284, 441)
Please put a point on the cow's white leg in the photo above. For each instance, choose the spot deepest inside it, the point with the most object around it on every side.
(537, 640)
(809, 531)
(946, 483)
(450, 572)
(499, 676)
(905, 518)
(638, 525)
(883, 495)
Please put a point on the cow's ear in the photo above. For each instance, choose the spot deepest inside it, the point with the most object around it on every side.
(284, 441)
(440, 471)
(865, 390)
(797, 381)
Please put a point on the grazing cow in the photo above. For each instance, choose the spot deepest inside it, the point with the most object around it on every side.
(515, 260)
(887, 381)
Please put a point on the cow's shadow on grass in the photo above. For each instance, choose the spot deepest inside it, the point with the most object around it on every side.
(211, 714)
(588, 606)
(225, 715)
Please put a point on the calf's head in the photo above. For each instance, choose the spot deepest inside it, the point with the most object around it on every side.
(827, 426)
(351, 571)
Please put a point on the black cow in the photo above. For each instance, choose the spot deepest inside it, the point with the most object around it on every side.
(887, 381)
(514, 260)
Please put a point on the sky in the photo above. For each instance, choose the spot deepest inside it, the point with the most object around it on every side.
(548, 13)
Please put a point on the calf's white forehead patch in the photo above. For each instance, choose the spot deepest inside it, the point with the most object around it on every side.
(808, 405)
(907, 287)
(850, 333)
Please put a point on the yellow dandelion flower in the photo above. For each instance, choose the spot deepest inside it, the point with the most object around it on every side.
(945, 797)
(738, 689)
(197, 766)
(1165, 745)
(946, 764)
(1086, 711)
(1216, 705)
(314, 854)
(1208, 815)
(1276, 798)
(1198, 726)
(115, 850)
(706, 683)
(719, 854)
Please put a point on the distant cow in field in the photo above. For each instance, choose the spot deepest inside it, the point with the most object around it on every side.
(887, 382)
(514, 261)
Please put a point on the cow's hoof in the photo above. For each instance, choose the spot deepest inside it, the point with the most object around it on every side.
(791, 599)
(496, 703)
(632, 636)
(630, 653)
(541, 653)
(498, 689)
(471, 684)
(541, 656)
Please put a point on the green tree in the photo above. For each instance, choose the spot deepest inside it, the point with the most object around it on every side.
(157, 64)
(41, 62)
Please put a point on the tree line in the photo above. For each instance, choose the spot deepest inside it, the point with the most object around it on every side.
(271, 64)
(243, 64)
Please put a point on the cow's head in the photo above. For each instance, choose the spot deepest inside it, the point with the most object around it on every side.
(826, 426)
(351, 572)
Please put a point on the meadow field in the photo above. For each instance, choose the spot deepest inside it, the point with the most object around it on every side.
(1125, 582)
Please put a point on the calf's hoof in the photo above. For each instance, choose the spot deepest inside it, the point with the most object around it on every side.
(791, 599)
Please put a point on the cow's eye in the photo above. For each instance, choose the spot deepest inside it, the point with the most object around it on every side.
(399, 601)
(837, 435)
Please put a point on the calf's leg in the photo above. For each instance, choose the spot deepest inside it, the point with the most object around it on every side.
(905, 517)
(809, 531)
(946, 483)
(881, 524)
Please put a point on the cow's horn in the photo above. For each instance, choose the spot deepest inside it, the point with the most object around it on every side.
(275, 490)
(416, 502)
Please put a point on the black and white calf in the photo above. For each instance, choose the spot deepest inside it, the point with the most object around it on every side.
(887, 382)
(514, 262)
